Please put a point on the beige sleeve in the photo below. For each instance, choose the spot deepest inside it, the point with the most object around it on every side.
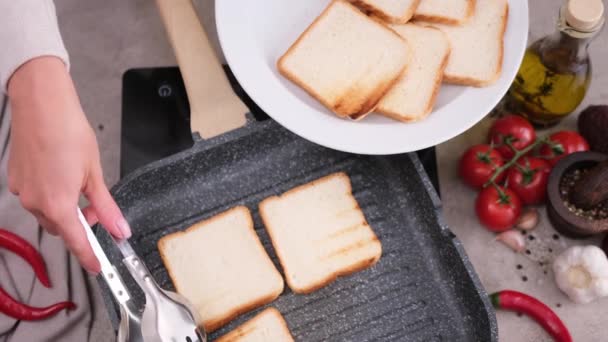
(28, 29)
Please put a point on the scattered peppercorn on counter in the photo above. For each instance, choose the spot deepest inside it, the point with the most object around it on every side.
(533, 258)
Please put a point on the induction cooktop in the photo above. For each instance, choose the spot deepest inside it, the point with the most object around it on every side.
(156, 118)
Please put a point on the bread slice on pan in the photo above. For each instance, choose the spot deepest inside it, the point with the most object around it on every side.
(391, 11)
(221, 267)
(342, 60)
(267, 326)
(451, 12)
(477, 45)
(319, 233)
(413, 96)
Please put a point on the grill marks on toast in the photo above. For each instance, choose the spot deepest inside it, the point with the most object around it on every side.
(352, 248)
(319, 232)
(347, 230)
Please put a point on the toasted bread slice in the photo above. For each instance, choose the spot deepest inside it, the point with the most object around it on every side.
(391, 11)
(342, 60)
(452, 12)
(319, 233)
(267, 326)
(221, 267)
(477, 45)
(413, 97)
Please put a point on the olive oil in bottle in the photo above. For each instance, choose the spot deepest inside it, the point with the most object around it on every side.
(556, 70)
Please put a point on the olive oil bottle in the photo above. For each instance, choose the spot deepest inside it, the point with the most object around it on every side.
(556, 70)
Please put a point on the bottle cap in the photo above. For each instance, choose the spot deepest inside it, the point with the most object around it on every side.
(584, 15)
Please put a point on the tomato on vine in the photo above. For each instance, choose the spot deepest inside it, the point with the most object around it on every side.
(561, 144)
(498, 208)
(511, 131)
(528, 178)
(478, 164)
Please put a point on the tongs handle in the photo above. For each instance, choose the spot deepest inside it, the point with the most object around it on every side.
(108, 271)
(137, 268)
(142, 276)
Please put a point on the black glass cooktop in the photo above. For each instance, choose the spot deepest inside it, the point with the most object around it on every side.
(156, 118)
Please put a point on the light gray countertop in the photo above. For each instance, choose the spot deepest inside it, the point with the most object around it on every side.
(105, 38)
(495, 263)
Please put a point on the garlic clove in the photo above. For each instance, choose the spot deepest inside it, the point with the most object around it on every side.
(513, 239)
(528, 220)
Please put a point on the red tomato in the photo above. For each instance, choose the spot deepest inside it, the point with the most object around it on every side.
(478, 164)
(562, 144)
(511, 129)
(498, 211)
(528, 179)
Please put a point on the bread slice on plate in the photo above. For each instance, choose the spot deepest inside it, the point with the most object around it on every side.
(413, 97)
(341, 60)
(477, 45)
(267, 326)
(391, 11)
(319, 233)
(451, 12)
(221, 267)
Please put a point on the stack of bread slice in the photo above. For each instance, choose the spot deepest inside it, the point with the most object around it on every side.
(391, 56)
(346, 60)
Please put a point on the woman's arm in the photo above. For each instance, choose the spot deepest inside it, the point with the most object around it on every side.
(28, 30)
(54, 157)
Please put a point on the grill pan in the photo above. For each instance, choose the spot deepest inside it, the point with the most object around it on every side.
(422, 289)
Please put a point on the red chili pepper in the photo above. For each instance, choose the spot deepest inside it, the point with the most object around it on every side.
(520, 302)
(24, 249)
(10, 307)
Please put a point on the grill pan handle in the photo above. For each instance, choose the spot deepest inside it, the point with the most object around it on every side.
(214, 107)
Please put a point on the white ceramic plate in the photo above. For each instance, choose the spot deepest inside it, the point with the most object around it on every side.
(254, 34)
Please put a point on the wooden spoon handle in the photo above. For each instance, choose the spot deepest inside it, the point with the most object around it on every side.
(214, 107)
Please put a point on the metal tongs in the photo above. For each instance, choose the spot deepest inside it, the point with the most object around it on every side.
(166, 317)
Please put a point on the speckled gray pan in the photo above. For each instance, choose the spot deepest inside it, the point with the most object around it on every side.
(422, 289)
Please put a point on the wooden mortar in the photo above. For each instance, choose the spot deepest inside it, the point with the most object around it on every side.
(590, 190)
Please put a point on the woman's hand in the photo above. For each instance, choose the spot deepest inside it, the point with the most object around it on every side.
(54, 157)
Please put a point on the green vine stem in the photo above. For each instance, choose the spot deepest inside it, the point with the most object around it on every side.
(516, 157)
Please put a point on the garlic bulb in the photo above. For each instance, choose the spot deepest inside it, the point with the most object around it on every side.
(581, 272)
